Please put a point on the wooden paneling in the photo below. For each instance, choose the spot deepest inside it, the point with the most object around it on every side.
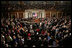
(20, 15)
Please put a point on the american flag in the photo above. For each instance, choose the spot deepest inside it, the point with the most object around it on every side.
(35, 14)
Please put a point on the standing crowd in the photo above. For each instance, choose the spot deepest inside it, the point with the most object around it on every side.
(47, 33)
